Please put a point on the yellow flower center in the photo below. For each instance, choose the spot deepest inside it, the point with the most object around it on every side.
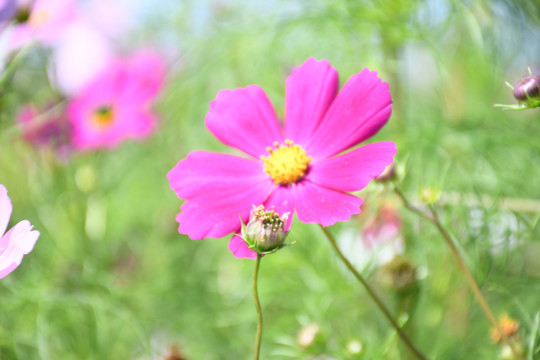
(39, 18)
(103, 117)
(286, 163)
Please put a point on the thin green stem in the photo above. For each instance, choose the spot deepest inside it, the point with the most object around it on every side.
(373, 296)
(257, 308)
(434, 219)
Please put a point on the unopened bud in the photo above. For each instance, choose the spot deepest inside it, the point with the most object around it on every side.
(527, 92)
(388, 174)
(528, 88)
(265, 232)
(430, 196)
(399, 274)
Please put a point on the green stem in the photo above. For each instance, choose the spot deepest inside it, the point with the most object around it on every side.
(434, 219)
(257, 308)
(373, 296)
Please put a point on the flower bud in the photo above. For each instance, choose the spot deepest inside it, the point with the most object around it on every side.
(265, 231)
(399, 274)
(389, 174)
(507, 325)
(430, 196)
(528, 88)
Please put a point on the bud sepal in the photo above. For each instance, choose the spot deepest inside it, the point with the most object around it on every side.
(265, 232)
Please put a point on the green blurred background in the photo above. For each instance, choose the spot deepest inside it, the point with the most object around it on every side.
(111, 278)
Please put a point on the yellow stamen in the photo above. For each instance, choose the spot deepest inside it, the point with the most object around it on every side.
(103, 117)
(286, 163)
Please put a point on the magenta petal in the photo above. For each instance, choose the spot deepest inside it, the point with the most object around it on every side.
(5, 209)
(217, 213)
(220, 189)
(352, 171)
(244, 119)
(201, 170)
(317, 204)
(238, 247)
(360, 109)
(16, 243)
(281, 201)
(311, 88)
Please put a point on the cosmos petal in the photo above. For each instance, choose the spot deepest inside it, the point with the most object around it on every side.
(238, 247)
(200, 171)
(219, 190)
(310, 90)
(317, 204)
(281, 201)
(16, 243)
(352, 171)
(244, 119)
(5, 209)
(358, 112)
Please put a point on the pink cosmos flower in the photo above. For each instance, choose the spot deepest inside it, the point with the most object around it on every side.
(46, 21)
(80, 55)
(116, 105)
(295, 166)
(18, 241)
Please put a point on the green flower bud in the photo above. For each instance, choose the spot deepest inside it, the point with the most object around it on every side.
(265, 232)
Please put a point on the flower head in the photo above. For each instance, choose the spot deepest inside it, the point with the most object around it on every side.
(265, 232)
(43, 128)
(44, 20)
(294, 166)
(15, 243)
(116, 105)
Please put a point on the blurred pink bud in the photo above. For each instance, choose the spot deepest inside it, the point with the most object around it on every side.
(116, 105)
(384, 227)
(528, 87)
(15, 243)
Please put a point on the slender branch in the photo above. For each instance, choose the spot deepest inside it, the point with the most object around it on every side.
(434, 219)
(373, 296)
(257, 308)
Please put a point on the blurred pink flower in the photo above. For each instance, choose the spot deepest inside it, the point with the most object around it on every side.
(116, 105)
(384, 227)
(42, 128)
(294, 166)
(18, 241)
(79, 56)
(47, 19)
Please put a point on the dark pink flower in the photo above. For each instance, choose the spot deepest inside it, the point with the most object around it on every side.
(294, 166)
(15, 243)
(43, 128)
(116, 105)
